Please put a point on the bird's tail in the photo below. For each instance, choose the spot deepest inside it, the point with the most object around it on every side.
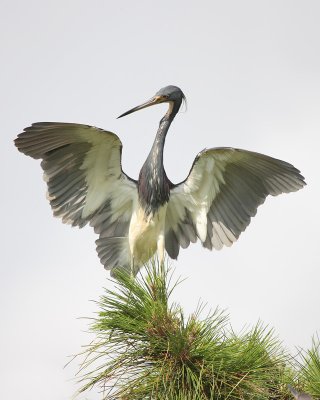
(115, 254)
(293, 391)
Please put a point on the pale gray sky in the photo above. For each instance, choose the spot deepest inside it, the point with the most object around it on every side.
(251, 73)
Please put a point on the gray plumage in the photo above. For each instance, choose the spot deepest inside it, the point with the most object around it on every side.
(135, 218)
(242, 181)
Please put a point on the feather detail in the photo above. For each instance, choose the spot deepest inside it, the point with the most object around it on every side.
(82, 169)
(224, 188)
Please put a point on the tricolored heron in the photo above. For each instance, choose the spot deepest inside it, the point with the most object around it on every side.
(136, 218)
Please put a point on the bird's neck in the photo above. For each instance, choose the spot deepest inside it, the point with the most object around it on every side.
(155, 156)
(154, 186)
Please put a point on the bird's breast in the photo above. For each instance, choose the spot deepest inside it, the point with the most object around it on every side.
(153, 188)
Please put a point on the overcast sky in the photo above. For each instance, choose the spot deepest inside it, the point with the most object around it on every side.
(251, 74)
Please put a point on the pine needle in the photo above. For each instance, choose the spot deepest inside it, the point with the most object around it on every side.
(145, 348)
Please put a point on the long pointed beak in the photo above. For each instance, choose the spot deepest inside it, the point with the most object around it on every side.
(154, 100)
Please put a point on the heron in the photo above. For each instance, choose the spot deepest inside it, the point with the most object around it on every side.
(136, 219)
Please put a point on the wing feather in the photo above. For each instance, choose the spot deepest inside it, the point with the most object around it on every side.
(224, 188)
(82, 169)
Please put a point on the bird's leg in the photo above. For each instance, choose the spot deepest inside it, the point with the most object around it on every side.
(160, 248)
(132, 267)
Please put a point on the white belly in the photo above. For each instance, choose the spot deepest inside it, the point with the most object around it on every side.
(145, 233)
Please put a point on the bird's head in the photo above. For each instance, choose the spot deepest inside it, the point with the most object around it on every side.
(169, 94)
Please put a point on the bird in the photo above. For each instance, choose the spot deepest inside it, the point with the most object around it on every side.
(136, 219)
(299, 395)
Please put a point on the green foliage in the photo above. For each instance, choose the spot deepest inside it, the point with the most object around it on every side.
(145, 348)
(309, 374)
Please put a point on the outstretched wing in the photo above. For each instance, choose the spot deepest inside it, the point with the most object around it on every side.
(82, 168)
(224, 188)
